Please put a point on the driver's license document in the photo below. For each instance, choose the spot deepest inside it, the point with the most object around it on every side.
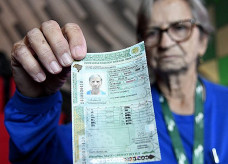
(113, 117)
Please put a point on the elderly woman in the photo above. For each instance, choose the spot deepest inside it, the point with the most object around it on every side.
(95, 81)
(190, 111)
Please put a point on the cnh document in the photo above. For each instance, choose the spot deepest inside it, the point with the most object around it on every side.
(112, 111)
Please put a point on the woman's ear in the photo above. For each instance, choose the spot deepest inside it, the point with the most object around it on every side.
(203, 42)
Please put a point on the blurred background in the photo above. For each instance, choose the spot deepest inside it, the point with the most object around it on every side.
(107, 25)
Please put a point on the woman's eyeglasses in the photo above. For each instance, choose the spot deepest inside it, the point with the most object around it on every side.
(177, 31)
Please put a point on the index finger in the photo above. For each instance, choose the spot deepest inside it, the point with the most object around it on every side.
(76, 39)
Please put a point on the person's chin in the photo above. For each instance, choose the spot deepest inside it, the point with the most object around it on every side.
(95, 88)
(170, 68)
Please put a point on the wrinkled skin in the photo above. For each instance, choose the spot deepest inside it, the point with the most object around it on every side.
(41, 60)
(170, 56)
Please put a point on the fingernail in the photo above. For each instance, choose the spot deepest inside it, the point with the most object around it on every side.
(40, 77)
(78, 52)
(66, 58)
(55, 68)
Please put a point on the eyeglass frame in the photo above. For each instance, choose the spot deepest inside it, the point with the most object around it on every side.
(161, 31)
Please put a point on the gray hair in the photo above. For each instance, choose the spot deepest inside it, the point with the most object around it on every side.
(198, 10)
(94, 76)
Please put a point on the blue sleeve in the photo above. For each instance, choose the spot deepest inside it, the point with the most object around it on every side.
(35, 136)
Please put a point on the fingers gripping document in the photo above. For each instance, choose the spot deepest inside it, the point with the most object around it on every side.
(113, 117)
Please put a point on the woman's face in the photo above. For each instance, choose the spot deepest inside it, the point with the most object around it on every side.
(169, 55)
(95, 83)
